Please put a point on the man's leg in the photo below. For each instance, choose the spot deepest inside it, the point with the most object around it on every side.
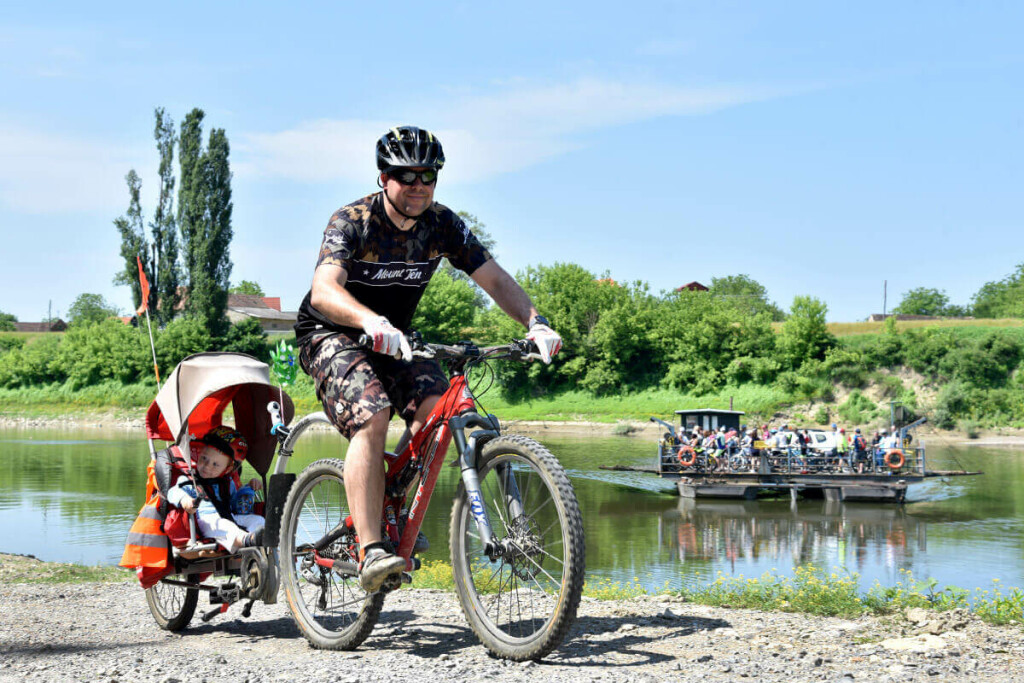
(364, 476)
(364, 487)
(423, 412)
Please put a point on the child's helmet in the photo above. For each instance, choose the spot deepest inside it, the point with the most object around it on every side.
(228, 441)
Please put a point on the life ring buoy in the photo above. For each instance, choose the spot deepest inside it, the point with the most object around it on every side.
(687, 456)
(895, 459)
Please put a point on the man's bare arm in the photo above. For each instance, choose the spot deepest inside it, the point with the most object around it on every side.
(330, 297)
(505, 291)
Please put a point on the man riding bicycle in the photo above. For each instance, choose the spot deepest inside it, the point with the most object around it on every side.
(376, 259)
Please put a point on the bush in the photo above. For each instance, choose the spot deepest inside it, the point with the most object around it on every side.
(988, 362)
(953, 401)
(821, 416)
(8, 343)
(31, 364)
(805, 335)
(858, 409)
(891, 386)
(247, 337)
(181, 338)
(845, 366)
(92, 352)
(970, 427)
(751, 369)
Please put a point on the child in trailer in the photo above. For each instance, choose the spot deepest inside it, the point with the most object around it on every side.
(223, 509)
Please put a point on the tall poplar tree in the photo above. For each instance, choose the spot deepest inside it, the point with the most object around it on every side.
(204, 218)
(133, 239)
(217, 240)
(190, 197)
(166, 271)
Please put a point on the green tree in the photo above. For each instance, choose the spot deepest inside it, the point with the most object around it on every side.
(247, 287)
(479, 230)
(572, 299)
(133, 239)
(746, 294)
(7, 321)
(1003, 298)
(204, 218)
(159, 256)
(700, 335)
(248, 337)
(91, 308)
(923, 301)
(805, 335)
(163, 265)
(446, 309)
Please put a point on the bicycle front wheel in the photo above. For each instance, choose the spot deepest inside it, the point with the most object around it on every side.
(330, 608)
(521, 599)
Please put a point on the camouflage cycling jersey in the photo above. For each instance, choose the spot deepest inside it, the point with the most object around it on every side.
(388, 268)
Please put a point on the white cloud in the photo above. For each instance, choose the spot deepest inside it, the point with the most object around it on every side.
(42, 173)
(486, 134)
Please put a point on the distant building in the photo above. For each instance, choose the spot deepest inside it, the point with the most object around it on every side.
(266, 309)
(57, 325)
(693, 287)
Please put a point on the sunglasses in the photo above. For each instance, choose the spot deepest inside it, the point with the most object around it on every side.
(406, 176)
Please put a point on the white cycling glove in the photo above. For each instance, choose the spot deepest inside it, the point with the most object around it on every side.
(547, 340)
(387, 338)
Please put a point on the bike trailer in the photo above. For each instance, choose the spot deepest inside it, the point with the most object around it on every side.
(192, 402)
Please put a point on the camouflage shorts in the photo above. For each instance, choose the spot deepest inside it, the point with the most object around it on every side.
(354, 384)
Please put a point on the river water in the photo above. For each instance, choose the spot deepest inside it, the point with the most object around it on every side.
(71, 496)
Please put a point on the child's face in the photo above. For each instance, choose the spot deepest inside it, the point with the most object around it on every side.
(211, 463)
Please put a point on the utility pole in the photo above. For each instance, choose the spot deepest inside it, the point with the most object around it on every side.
(885, 296)
(49, 311)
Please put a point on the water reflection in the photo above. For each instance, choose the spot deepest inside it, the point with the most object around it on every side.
(71, 496)
(817, 532)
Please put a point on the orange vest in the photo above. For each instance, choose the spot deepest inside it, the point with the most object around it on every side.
(147, 549)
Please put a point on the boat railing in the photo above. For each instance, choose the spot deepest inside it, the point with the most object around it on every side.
(674, 459)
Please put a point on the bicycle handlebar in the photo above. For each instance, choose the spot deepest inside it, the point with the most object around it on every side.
(517, 349)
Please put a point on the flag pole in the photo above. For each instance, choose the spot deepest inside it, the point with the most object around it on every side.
(144, 285)
(152, 347)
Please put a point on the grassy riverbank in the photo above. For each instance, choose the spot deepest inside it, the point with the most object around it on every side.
(962, 374)
(809, 590)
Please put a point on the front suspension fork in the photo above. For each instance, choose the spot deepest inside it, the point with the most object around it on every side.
(468, 450)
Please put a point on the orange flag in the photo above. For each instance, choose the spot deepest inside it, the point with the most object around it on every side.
(145, 288)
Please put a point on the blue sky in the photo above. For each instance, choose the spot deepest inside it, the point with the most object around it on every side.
(821, 148)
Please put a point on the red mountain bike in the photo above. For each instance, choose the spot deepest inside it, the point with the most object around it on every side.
(517, 547)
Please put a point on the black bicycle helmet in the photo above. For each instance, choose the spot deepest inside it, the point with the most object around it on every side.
(408, 147)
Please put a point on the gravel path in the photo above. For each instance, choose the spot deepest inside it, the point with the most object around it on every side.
(104, 632)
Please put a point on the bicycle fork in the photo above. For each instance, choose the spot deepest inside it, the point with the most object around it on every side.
(468, 455)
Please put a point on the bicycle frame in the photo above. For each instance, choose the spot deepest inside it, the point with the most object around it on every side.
(454, 412)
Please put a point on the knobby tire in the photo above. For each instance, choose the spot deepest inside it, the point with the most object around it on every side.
(543, 575)
(332, 611)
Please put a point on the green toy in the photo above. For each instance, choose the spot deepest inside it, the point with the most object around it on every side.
(282, 364)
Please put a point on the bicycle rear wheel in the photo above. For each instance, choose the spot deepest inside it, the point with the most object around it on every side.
(173, 606)
(522, 600)
(331, 609)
